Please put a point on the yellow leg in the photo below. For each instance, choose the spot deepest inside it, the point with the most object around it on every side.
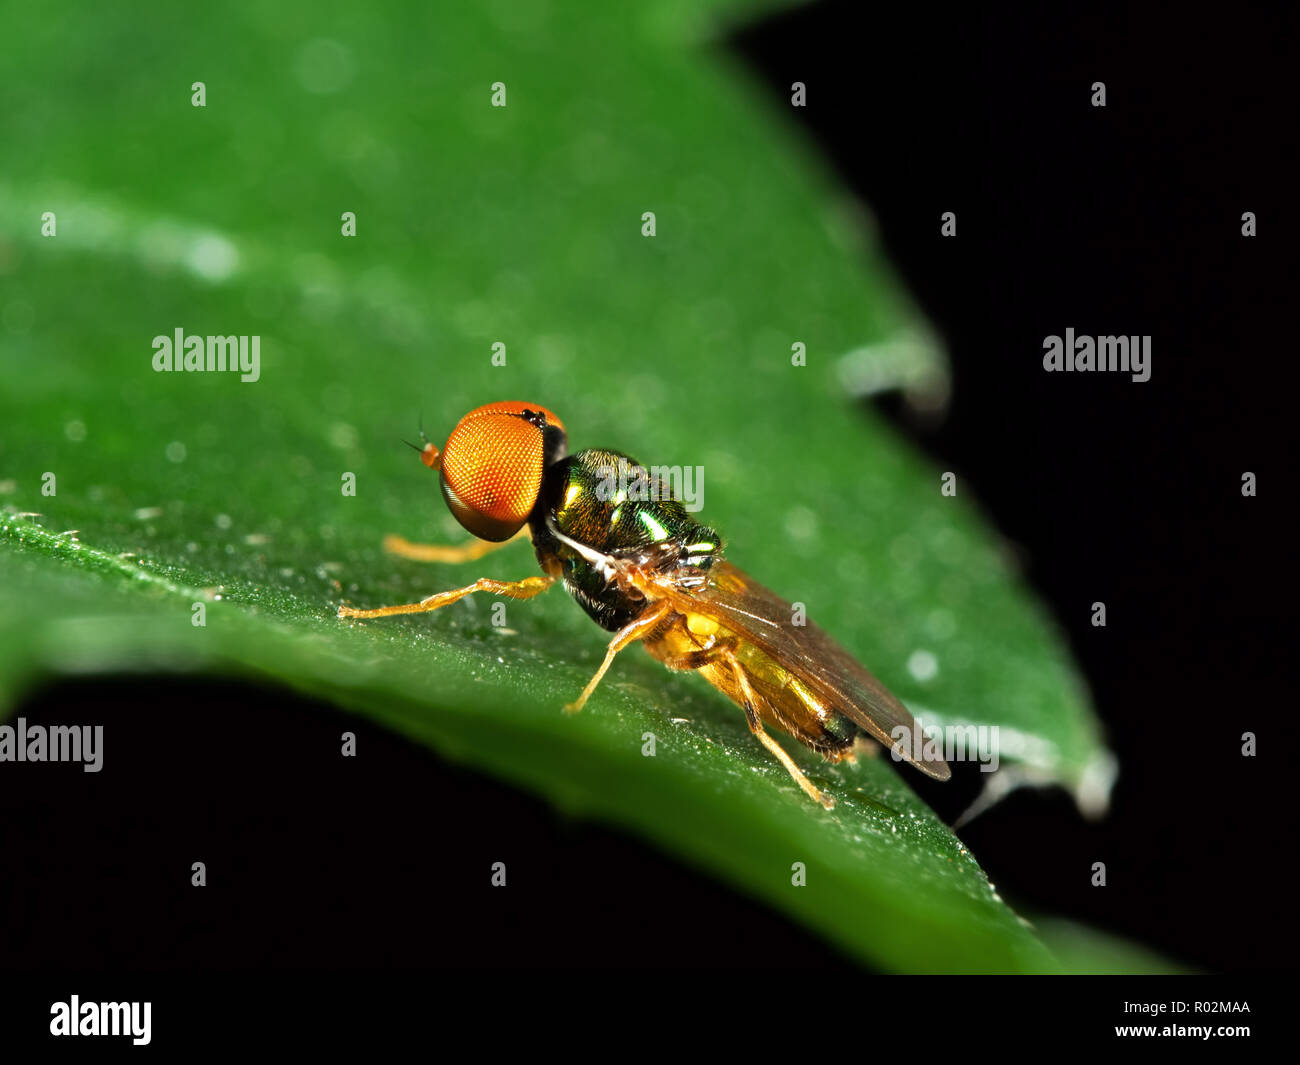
(525, 589)
(756, 727)
(395, 545)
(635, 629)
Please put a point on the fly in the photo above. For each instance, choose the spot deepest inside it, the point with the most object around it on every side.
(647, 572)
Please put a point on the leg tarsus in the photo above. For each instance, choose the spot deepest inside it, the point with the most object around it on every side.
(524, 589)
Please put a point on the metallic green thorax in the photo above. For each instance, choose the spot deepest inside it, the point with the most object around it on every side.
(605, 500)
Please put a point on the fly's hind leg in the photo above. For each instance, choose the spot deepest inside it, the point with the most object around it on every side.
(756, 727)
(724, 651)
(636, 629)
(524, 589)
(396, 545)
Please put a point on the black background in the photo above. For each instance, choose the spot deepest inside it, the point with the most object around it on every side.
(1117, 220)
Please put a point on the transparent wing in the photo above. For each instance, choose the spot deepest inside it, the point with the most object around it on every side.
(742, 605)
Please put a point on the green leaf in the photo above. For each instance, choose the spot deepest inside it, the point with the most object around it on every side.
(1085, 950)
(475, 225)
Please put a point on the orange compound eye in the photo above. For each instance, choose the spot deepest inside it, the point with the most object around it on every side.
(492, 467)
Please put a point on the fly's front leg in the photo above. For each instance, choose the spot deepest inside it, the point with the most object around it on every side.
(524, 589)
(636, 629)
(395, 545)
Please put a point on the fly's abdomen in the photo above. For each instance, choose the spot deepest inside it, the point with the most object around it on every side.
(791, 705)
